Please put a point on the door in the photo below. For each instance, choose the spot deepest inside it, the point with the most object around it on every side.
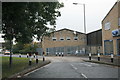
(108, 47)
(118, 46)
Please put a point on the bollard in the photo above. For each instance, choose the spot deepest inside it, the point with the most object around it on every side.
(59, 54)
(98, 56)
(30, 59)
(27, 55)
(36, 57)
(112, 58)
(56, 53)
(20, 55)
(43, 56)
(89, 56)
(62, 54)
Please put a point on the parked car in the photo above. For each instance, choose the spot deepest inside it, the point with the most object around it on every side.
(7, 52)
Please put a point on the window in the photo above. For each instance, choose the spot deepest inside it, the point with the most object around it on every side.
(54, 38)
(119, 21)
(107, 25)
(61, 39)
(75, 38)
(47, 50)
(68, 38)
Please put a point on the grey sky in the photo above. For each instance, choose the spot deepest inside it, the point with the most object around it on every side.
(72, 15)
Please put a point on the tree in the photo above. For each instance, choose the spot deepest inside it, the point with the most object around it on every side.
(24, 48)
(24, 20)
(17, 47)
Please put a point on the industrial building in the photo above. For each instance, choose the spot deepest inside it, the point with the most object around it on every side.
(111, 31)
(94, 42)
(73, 42)
(66, 41)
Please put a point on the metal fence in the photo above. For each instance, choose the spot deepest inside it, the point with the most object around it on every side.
(71, 50)
(67, 50)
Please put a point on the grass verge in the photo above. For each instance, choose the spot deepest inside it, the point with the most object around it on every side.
(18, 65)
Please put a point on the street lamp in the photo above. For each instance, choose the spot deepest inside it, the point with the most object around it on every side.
(84, 15)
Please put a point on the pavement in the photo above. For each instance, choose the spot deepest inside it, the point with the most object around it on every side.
(104, 59)
(73, 67)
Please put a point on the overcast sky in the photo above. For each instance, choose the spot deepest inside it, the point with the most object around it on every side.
(72, 15)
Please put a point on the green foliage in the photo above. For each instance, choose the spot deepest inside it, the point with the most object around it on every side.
(19, 64)
(7, 45)
(17, 47)
(23, 48)
(23, 20)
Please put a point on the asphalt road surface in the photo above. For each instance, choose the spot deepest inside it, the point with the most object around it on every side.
(73, 67)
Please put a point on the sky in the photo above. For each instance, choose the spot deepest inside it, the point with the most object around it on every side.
(72, 15)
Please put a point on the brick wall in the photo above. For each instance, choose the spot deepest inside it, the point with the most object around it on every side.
(64, 33)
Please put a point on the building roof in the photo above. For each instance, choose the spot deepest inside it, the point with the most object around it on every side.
(69, 30)
(94, 31)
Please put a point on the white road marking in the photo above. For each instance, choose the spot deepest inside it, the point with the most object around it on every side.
(86, 64)
(35, 70)
(32, 71)
(94, 63)
(84, 75)
(73, 66)
(18, 76)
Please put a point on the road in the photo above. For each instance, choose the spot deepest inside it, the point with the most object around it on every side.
(73, 67)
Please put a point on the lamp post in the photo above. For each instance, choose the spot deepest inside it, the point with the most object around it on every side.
(84, 15)
(84, 18)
